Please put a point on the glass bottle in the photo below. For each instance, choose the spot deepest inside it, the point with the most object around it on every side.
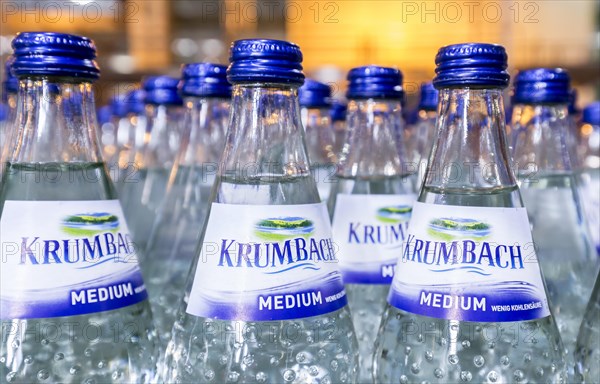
(468, 301)
(542, 152)
(10, 88)
(315, 103)
(144, 188)
(425, 127)
(257, 307)
(589, 175)
(338, 121)
(371, 201)
(132, 128)
(178, 225)
(72, 301)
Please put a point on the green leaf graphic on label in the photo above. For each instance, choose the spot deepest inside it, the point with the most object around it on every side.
(394, 213)
(449, 229)
(87, 224)
(283, 228)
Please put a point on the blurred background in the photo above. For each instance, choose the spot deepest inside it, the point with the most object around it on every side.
(138, 38)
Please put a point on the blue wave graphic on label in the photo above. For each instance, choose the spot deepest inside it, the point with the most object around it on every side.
(446, 228)
(310, 266)
(466, 268)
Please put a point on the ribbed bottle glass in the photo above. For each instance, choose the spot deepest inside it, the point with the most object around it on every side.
(370, 206)
(9, 100)
(467, 302)
(542, 153)
(259, 305)
(180, 219)
(588, 176)
(73, 305)
(144, 190)
(320, 146)
(131, 132)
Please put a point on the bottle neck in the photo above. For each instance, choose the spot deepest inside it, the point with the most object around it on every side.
(470, 149)
(163, 132)
(373, 148)
(11, 103)
(541, 140)
(425, 133)
(319, 136)
(265, 138)
(55, 122)
(203, 130)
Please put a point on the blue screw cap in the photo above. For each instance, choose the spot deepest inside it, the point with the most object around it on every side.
(314, 94)
(205, 80)
(54, 54)
(162, 90)
(265, 61)
(541, 85)
(591, 114)
(471, 65)
(374, 82)
(428, 98)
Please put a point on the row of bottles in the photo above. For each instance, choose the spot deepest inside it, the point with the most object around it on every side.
(269, 251)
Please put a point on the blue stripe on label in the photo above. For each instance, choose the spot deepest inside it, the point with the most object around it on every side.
(369, 273)
(91, 299)
(500, 302)
(275, 304)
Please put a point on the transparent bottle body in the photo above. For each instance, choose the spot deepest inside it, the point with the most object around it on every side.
(181, 218)
(587, 349)
(146, 176)
(425, 132)
(320, 138)
(319, 348)
(413, 348)
(339, 133)
(468, 166)
(7, 128)
(588, 177)
(367, 301)
(564, 249)
(116, 346)
(544, 153)
(122, 167)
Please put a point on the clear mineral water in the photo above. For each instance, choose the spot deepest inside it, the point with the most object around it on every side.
(318, 349)
(416, 349)
(367, 301)
(143, 194)
(587, 350)
(559, 231)
(324, 176)
(117, 346)
(173, 241)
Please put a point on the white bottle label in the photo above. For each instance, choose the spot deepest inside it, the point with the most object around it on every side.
(267, 262)
(469, 264)
(369, 231)
(66, 258)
